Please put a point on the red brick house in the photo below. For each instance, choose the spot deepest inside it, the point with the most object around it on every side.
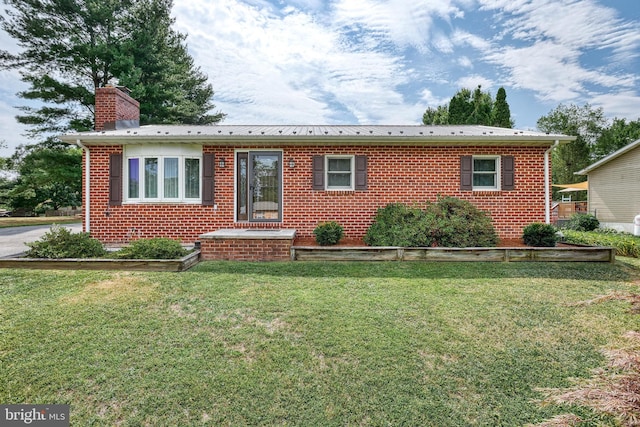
(212, 183)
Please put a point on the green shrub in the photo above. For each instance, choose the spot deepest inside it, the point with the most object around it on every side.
(60, 242)
(154, 248)
(458, 223)
(328, 233)
(398, 225)
(582, 222)
(449, 222)
(626, 244)
(540, 235)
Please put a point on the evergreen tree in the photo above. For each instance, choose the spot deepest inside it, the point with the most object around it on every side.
(501, 114)
(482, 105)
(71, 47)
(471, 108)
(436, 116)
(460, 107)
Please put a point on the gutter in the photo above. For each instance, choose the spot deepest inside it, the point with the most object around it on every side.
(547, 184)
(87, 187)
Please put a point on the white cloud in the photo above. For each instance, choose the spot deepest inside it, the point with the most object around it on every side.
(621, 104)
(472, 82)
(549, 44)
(289, 69)
(400, 22)
(465, 62)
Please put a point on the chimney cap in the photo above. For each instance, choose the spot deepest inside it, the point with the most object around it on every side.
(120, 88)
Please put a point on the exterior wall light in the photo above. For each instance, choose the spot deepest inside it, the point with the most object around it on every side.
(222, 163)
(292, 163)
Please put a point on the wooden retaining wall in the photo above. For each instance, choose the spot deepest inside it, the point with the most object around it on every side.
(366, 253)
(181, 264)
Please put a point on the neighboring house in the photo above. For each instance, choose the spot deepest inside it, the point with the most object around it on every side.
(614, 188)
(186, 181)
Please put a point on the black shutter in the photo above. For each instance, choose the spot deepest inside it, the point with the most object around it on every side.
(508, 173)
(361, 173)
(115, 179)
(466, 173)
(318, 173)
(208, 166)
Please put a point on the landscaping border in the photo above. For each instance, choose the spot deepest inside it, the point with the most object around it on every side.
(168, 265)
(498, 254)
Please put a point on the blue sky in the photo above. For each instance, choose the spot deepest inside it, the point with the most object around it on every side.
(385, 62)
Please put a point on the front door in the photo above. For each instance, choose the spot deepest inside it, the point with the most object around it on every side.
(259, 186)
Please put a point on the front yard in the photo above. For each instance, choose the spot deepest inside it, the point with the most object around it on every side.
(227, 343)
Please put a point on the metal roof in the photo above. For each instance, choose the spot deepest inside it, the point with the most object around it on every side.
(313, 133)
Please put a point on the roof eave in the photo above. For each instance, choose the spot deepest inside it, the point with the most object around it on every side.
(107, 139)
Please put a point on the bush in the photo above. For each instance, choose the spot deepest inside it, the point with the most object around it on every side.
(60, 242)
(582, 222)
(154, 248)
(398, 225)
(450, 222)
(328, 233)
(540, 235)
(626, 244)
(457, 223)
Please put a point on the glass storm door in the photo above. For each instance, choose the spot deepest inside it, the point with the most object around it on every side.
(259, 186)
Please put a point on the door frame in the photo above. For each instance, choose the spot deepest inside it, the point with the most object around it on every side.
(236, 178)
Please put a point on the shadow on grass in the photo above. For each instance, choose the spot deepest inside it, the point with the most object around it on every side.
(620, 271)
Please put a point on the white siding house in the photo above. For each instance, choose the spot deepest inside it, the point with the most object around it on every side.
(614, 187)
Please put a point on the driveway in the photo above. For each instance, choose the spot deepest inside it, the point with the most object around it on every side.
(12, 239)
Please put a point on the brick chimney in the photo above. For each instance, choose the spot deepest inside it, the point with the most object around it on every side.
(115, 109)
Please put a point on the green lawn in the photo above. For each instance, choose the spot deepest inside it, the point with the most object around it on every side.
(311, 344)
(37, 220)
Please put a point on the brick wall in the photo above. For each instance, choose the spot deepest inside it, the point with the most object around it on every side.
(113, 106)
(407, 174)
(246, 249)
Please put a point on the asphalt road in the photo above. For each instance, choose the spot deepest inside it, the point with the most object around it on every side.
(12, 239)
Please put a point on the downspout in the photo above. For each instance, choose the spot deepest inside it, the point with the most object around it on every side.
(547, 184)
(87, 187)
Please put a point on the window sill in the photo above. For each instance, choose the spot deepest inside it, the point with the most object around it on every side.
(162, 202)
(486, 192)
(340, 192)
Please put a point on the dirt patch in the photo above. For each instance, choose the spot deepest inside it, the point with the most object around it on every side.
(121, 286)
(614, 389)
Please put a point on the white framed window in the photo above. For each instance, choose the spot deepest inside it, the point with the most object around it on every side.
(339, 172)
(163, 174)
(486, 173)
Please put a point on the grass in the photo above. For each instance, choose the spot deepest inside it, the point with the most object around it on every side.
(37, 220)
(227, 343)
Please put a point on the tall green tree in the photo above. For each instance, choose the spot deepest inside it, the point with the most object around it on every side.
(586, 124)
(68, 48)
(501, 113)
(471, 108)
(49, 178)
(436, 116)
(71, 47)
(616, 136)
(460, 107)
